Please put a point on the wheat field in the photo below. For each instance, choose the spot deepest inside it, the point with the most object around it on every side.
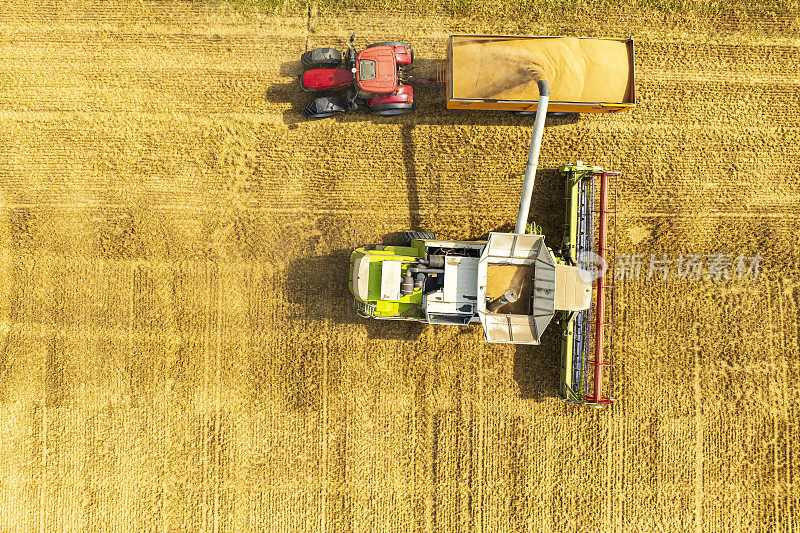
(179, 348)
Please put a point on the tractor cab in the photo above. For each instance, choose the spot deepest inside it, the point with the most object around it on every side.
(377, 70)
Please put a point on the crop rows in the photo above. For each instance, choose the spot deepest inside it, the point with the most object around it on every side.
(179, 348)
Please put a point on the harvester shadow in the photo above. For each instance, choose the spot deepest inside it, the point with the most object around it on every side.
(547, 203)
(547, 208)
(428, 95)
(318, 287)
(536, 368)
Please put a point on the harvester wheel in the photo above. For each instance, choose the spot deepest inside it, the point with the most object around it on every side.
(392, 110)
(409, 236)
(321, 58)
(324, 107)
(395, 43)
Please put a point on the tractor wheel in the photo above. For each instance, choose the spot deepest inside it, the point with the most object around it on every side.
(324, 107)
(321, 58)
(395, 43)
(392, 110)
(409, 236)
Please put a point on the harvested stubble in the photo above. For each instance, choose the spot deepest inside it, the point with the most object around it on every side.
(179, 350)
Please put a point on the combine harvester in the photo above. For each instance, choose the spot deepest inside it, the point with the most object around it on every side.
(513, 284)
(486, 72)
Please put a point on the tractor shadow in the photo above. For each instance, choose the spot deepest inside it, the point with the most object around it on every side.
(429, 96)
(317, 288)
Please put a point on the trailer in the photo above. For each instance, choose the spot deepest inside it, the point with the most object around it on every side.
(483, 72)
(513, 284)
(500, 72)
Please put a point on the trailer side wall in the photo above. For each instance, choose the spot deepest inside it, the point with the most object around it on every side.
(586, 75)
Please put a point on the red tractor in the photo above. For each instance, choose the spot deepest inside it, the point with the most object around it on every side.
(373, 77)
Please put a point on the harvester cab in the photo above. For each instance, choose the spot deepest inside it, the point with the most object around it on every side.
(512, 283)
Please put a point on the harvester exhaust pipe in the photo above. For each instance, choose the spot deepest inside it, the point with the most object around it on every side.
(533, 157)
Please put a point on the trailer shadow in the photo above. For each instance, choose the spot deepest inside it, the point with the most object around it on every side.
(429, 96)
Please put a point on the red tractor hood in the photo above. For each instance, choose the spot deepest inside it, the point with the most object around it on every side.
(385, 80)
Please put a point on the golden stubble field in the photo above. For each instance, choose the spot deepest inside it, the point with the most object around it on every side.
(178, 347)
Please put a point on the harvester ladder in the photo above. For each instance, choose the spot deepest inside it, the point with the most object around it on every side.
(441, 72)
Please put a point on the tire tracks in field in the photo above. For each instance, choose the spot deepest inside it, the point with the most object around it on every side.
(699, 432)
